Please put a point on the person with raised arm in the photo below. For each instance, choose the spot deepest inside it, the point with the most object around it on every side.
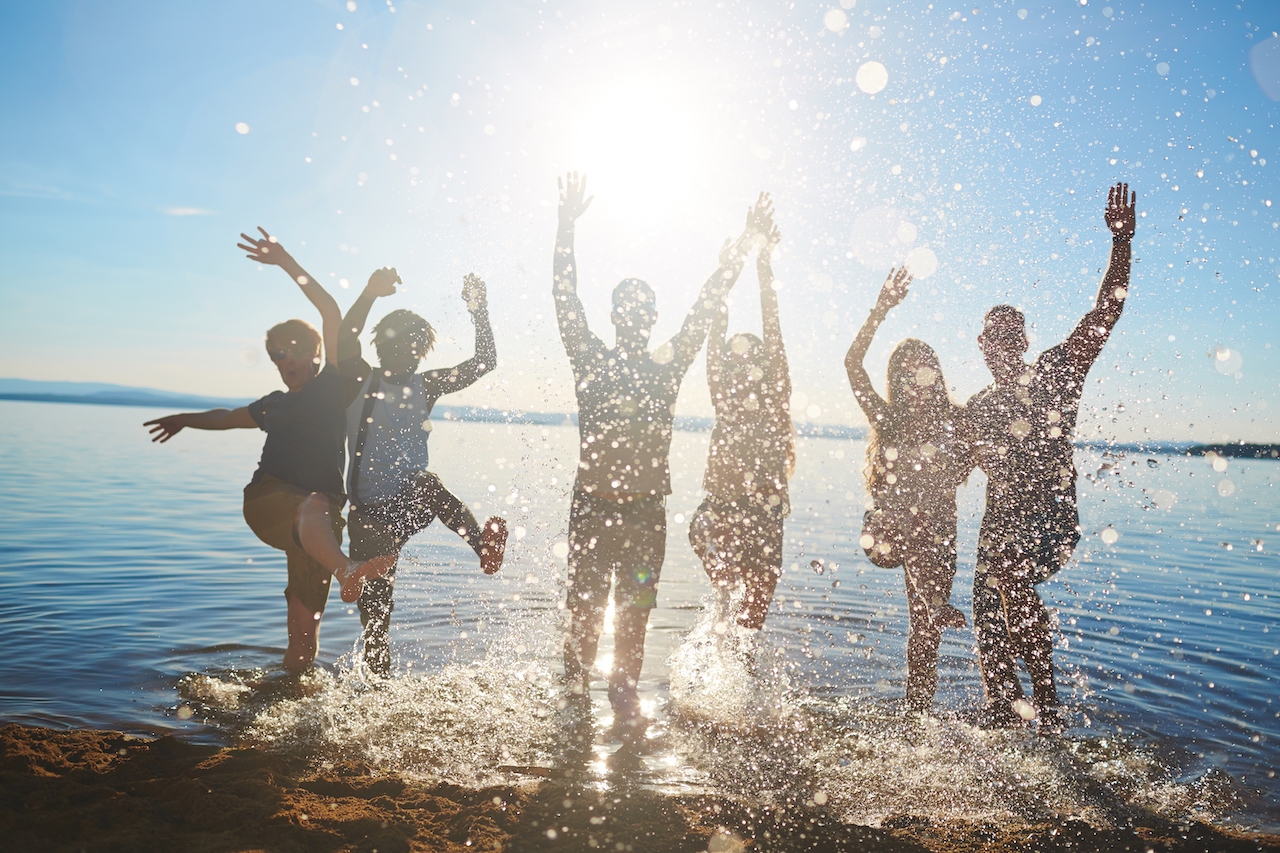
(919, 453)
(393, 494)
(737, 530)
(626, 406)
(294, 501)
(1023, 425)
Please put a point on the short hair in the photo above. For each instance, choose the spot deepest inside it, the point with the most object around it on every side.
(634, 290)
(1005, 316)
(292, 333)
(402, 321)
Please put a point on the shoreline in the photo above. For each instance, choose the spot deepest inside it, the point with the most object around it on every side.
(95, 790)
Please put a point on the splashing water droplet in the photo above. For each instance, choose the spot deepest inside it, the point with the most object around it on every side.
(872, 77)
(242, 128)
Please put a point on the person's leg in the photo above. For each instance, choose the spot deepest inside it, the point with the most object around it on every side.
(1033, 640)
(923, 636)
(588, 589)
(270, 507)
(760, 555)
(995, 645)
(488, 542)
(372, 537)
(304, 635)
(315, 524)
(638, 547)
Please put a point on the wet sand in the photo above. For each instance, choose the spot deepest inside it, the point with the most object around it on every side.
(105, 791)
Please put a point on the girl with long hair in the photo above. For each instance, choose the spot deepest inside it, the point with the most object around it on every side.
(917, 456)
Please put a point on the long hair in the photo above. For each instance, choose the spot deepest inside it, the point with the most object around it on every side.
(924, 414)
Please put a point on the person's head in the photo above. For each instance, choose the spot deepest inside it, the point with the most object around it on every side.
(634, 309)
(1003, 340)
(915, 381)
(402, 340)
(742, 370)
(294, 348)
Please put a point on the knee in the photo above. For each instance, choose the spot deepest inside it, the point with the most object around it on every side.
(314, 504)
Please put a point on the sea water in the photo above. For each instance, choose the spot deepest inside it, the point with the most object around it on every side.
(134, 597)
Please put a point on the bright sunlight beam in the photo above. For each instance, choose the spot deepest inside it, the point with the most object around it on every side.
(636, 144)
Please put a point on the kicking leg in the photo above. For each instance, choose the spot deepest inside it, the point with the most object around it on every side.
(489, 543)
(314, 523)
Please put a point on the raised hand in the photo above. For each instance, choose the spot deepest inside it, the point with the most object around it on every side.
(760, 219)
(383, 282)
(474, 293)
(1121, 211)
(163, 429)
(573, 190)
(894, 289)
(265, 251)
(772, 238)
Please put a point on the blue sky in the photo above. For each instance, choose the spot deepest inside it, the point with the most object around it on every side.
(428, 136)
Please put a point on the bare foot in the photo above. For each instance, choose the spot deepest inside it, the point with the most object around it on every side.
(354, 576)
(948, 616)
(493, 544)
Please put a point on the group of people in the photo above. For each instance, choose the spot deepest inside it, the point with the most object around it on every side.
(923, 447)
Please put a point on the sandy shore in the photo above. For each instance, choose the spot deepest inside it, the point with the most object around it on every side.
(105, 791)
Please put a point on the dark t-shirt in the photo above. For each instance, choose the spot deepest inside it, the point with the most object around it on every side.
(306, 431)
(626, 409)
(1023, 439)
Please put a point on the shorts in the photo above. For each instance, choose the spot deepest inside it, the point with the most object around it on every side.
(271, 511)
(1032, 545)
(744, 533)
(620, 542)
(378, 529)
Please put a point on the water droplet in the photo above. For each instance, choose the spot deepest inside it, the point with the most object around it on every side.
(872, 77)
(242, 128)
(1162, 68)
(1036, 100)
(835, 20)
(1110, 536)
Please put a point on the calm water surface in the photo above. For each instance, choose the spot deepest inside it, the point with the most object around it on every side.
(134, 597)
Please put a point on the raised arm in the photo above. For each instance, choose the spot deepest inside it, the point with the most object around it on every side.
(697, 322)
(163, 429)
(439, 382)
(779, 375)
(716, 334)
(893, 292)
(269, 251)
(564, 288)
(1091, 333)
(381, 283)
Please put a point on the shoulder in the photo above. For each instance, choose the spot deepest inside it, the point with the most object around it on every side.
(979, 399)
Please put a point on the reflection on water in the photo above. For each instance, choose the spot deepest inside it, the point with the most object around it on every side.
(136, 598)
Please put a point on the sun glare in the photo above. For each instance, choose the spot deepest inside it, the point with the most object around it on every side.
(638, 145)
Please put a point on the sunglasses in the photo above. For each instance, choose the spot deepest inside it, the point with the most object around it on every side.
(279, 355)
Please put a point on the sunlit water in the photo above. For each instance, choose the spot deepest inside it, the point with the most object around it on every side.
(133, 596)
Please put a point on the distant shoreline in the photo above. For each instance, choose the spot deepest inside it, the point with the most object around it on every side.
(686, 423)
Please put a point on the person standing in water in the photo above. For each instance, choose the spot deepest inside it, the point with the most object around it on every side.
(737, 530)
(294, 501)
(626, 407)
(917, 457)
(1023, 424)
(393, 495)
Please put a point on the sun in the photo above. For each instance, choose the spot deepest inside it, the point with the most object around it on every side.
(637, 143)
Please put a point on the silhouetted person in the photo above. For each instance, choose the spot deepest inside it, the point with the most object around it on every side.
(918, 455)
(393, 495)
(294, 501)
(737, 530)
(626, 406)
(1023, 424)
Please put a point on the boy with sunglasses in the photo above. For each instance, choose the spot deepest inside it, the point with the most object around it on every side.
(294, 501)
